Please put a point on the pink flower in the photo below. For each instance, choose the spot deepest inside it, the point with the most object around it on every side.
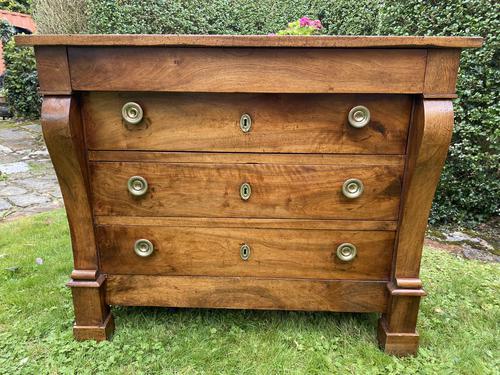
(316, 24)
(305, 21)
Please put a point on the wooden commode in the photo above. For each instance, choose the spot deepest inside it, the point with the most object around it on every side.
(248, 172)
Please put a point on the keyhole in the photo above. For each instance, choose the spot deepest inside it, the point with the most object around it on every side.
(245, 123)
(245, 252)
(245, 191)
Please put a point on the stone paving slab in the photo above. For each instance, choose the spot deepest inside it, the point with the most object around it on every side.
(4, 205)
(28, 183)
(11, 168)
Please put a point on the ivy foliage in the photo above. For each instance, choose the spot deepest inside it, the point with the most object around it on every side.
(469, 191)
(20, 82)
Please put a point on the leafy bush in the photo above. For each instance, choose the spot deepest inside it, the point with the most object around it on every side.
(21, 6)
(469, 190)
(60, 16)
(20, 81)
(303, 26)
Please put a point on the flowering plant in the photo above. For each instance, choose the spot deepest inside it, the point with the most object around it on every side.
(303, 26)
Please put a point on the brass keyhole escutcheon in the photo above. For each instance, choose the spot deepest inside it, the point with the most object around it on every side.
(352, 188)
(346, 252)
(245, 123)
(245, 191)
(245, 251)
(359, 116)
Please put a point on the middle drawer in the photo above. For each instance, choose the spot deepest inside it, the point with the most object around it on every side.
(312, 191)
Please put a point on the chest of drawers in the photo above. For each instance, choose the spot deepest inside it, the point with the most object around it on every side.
(248, 172)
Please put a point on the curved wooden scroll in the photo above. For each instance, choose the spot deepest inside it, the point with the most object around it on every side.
(430, 136)
(63, 135)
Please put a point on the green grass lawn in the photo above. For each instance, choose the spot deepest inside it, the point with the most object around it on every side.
(458, 324)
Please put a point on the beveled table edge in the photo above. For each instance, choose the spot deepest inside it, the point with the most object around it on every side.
(322, 41)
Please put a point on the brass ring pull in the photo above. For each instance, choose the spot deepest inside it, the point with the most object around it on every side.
(359, 116)
(352, 188)
(143, 247)
(137, 186)
(132, 113)
(346, 252)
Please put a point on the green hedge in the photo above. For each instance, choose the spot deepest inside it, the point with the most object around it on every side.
(21, 6)
(469, 191)
(20, 82)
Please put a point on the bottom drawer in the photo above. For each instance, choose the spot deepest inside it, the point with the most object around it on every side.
(247, 293)
(253, 252)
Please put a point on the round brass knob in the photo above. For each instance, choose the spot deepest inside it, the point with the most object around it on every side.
(143, 247)
(245, 123)
(245, 191)
(346, 252)
(137, 186)
(132, 113)
(359, 116)
(245, 251)
(352, 188)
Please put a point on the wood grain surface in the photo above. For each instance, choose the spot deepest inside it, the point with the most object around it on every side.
(344, 41)
(247, 70)
(247, 293)
(53, 70)
(247, 158)
(63, 134)
(216, 252)
(280, 123)
(278, 191)
(234, 222)
(428, 146)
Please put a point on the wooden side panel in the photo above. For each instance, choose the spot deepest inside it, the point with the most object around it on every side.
(441, 73)
(250, 70)
(278, 191)
(216, 252)
(280, 123)
(247, 293)
(62, 130)
(53, 70)
(429, 140)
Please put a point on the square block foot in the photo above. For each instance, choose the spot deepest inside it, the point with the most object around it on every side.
(97, 333)
(400, 344)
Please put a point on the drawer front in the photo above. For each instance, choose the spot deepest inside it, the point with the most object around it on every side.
(288, 123)
(247, 293)
(275, 190)
(269, 253)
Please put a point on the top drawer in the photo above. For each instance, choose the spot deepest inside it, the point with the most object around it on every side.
(279, 123)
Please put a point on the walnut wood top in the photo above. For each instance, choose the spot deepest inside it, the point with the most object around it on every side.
(253, 41)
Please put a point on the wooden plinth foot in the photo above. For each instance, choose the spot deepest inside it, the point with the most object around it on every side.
(93, 320)
(395, 343)
(97, 333)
